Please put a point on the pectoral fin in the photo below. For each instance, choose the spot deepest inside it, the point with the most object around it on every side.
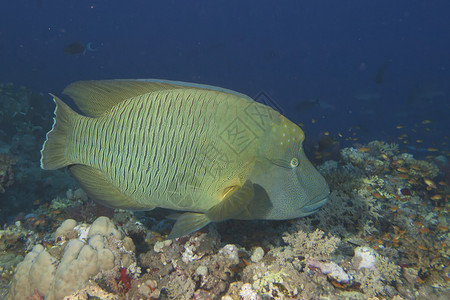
(258, 208)
(233, 203)
(235, 200)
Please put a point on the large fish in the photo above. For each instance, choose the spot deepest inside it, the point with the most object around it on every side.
(211, 152)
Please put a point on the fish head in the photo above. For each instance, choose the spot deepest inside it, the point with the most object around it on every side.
(292, 185)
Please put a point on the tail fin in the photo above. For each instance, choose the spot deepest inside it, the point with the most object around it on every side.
(52, 153)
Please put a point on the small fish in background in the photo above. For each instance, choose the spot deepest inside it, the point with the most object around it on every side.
(381, 71)
(327, 147)
(326, 143)
(426, 94)
(307, 105)
(326, 105)
(270, 55)
(366, 96)
(78, 48)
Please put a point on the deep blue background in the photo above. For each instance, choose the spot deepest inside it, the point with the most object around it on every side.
(293, 50)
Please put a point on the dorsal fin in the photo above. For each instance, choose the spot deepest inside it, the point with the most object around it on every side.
(94, 97)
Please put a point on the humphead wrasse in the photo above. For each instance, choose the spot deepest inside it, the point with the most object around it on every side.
(214, 153)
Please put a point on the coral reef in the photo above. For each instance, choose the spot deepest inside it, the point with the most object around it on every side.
(373, 271)
(67, 265)
(383, 234)
(6, 171)
(312, 245)
(24, 118)
(15, 240)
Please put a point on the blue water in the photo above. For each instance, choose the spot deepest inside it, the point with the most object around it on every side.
(293, 50)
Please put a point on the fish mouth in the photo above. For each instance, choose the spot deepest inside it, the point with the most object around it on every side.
(313, 207)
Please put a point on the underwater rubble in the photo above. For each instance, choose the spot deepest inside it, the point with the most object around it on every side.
(383, 234)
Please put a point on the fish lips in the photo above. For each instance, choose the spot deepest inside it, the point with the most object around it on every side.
(313, 207)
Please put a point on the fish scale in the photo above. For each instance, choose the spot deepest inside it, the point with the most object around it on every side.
(163, 180)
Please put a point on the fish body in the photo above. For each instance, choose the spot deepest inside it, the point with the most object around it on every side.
(304, 106)
(380, 73)
(74, 48)
(78, 48)
(214, 153)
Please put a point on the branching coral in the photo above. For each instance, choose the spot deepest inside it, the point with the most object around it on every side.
(373, 271)
(385, 148)
(312, 245)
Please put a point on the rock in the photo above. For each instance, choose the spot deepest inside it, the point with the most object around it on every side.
(257, 255)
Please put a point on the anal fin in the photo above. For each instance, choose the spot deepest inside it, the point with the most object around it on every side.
(96, 185)
(187, 223)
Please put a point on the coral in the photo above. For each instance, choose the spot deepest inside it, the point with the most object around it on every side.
(373, 181)
(312, 245)
(11, 236)
(125, 278)
(202, 271)
(373, 271)
(426, 169)
(248, 293)
(12, 241)
(277, 279)
(134, 270)
(56, 276)
(66, 230)
(148, 289)
(79, 207)
(181, 286)
(343, 214)
(159, 246)
(74, 198)
(8, 262)
(388, 270)
(331, 269)
(76, 195)
(92, 291)
(373, 159)
(207, 267)
(380, 207)
(364, 258)
(267, 280)
(370, 282)
(196, 247)
(345, 177)
(6, 171)
(354, 156)
(230, 253)
(385, 148)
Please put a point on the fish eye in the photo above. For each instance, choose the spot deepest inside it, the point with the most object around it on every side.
(294, 162)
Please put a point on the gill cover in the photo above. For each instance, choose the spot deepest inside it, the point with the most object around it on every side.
(295, 188)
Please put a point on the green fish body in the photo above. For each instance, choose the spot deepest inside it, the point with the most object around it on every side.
(211, 152)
